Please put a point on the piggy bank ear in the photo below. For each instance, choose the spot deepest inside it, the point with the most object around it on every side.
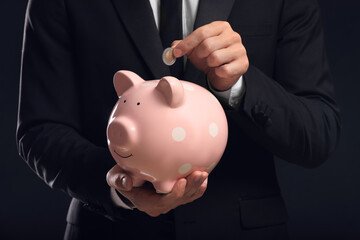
(123, 80)
(172, 89)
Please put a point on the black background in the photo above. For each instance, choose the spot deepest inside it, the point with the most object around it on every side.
(323, 203)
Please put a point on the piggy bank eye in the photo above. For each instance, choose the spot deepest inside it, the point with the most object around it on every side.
(138, 103)
(124, 101)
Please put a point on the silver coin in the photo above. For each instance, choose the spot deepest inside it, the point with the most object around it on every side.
(168, 56)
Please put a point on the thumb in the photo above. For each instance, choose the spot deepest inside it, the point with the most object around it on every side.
(117, 178)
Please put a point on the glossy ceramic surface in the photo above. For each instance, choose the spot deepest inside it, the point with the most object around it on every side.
(162, 130)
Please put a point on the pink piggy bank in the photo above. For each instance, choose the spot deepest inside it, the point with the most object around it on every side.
(162, 130)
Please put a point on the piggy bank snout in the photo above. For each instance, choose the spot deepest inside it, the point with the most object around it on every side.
(122, 134)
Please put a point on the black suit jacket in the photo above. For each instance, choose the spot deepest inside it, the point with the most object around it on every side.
(71, 50)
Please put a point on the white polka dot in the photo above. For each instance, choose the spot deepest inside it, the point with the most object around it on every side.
(211, 167)
(178, 134)
(145, 84)
(213, 129)
(185, 168)
(188, 87)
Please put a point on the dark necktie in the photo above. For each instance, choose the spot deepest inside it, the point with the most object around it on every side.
(171, 30)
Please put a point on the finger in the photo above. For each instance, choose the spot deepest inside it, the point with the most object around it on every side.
(223, 56)
(194, 182)
(212, 44)
(220, 84)
(144, 199)
(177, 192)
(199, 193)
(143, 193)
(174, 43)
(186, 46)
(223, 77)
(119, 179)
(233, 69)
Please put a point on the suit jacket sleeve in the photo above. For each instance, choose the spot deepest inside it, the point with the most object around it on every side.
(293, 113)
(49, 132)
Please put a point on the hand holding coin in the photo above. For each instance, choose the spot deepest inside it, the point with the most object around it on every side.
(217, 50)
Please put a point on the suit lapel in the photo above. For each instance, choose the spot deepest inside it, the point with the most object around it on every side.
(213, 10)
(138, 19)
(208, 11)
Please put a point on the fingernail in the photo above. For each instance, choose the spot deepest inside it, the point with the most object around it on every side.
(177, 52)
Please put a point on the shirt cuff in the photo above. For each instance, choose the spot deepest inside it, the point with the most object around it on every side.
(118, 201)
(231, 96)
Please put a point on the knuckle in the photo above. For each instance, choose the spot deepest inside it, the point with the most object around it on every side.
(207, 46)
(246, 64)
(243, 49)
(216, 23)
(201, 33)
(236, 37)
(213, 60)
(224, 71)
(225, 24)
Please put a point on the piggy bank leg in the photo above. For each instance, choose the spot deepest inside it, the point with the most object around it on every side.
(164, 187)
(138, 182)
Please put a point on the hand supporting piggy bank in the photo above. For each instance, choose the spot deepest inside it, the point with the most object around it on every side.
(162, 130)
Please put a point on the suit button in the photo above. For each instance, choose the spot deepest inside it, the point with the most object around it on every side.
(268, 121)
(255, 110)
(260, 117)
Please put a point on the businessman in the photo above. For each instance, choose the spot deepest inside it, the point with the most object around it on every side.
(264, 60)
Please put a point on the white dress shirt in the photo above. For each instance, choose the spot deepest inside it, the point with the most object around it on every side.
(232, 96)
